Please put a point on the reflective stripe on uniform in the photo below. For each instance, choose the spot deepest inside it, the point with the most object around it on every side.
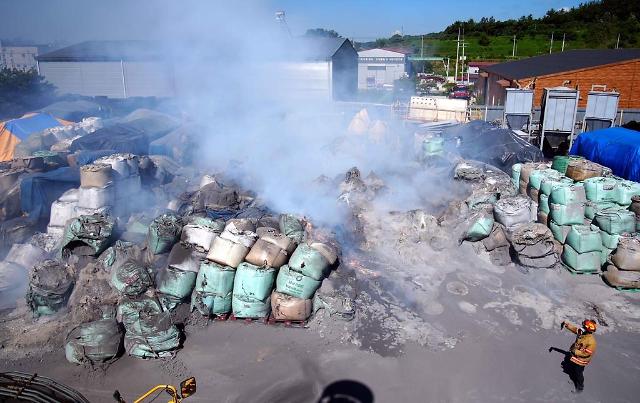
(579, 361)
(586, 350)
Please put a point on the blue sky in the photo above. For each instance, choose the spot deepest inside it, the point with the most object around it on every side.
(76, 20)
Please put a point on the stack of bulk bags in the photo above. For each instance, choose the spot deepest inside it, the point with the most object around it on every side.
(301, 278)
(566, 208)
(512, 211)
(624, 270)
(233, 244)
(164, 231)
(535, 181)
(126, 180)
(62, 210)
(525, 172)
(533, 246)
(149, 331)
(561, 162)
(212, 294)
(252, 287)
(614, 222)
(583, 249)
(96, 193)
(50, 286)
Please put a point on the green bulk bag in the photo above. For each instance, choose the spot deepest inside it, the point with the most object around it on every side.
(591, 208)
(131, 278)
(481, 198)
(583, 238)
(133, 311)
(245, 307)
(616, 221)
(609, 241)
(213, 291)
(515, 174)
(567, 214)
(433, 145)
(175, 286)
(164, 232)
(480, 227)
(583, 262)
(160, 344)
(89, 233)
(560, 163)
(253, 282)
(599, 189)
(538, 175)
(559, 232)
(312, 263)
(547, 184)
(292, 227)
(296, 284)
(94, 342)
(543, 203)
(625, 191)
(567, 194)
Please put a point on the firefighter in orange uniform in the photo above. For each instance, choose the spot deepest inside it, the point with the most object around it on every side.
(581, 350)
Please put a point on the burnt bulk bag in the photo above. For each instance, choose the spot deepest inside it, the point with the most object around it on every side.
(213, 290)
(184, 257)
(627, 254)
(131, 278)
(50, 286)
(310, 261)
(200, 231)
(252, 288)
(533, 245)
(164, 231)
(621, 278)
(512, 211)
(95, 175)
(276, 238)
(94, 342)
(580, 170)
(264, 253)
(226, 252)
(496, 239)
(296, 284)
(292, 227)
(174, 286)
(87, 235)
(286, 307)
(480, 198)
(480, 224)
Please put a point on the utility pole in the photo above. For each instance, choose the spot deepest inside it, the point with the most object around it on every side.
(551, 44)
(513, 52)
(455, 78)
(618, 42)
(563, 36)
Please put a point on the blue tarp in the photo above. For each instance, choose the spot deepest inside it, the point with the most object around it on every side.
(39, 190)
(617, 148)
(23, 127)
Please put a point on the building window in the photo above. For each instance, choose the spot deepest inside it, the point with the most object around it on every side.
(370, 68)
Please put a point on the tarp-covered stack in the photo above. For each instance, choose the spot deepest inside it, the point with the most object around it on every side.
(624, 269)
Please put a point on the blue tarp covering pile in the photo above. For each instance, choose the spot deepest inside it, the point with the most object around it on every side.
(617, 148)
(39, 190)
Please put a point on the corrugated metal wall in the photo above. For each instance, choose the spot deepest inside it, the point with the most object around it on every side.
(143, 79)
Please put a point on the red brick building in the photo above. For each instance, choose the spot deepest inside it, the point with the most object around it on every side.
(608, 69)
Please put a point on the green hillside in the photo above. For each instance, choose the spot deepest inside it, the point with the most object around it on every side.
(596, 24)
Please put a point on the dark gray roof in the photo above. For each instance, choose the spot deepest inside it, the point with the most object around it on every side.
(560, 62)
(321, 48)
(105, 51)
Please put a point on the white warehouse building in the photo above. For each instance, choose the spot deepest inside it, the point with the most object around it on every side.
(114, 69)
(381, 67)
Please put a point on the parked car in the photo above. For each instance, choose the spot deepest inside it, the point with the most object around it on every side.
(460, 92)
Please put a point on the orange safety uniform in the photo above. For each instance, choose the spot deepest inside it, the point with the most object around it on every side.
(583, 348)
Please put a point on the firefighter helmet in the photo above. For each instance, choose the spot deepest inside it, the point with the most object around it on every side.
(589, 325)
